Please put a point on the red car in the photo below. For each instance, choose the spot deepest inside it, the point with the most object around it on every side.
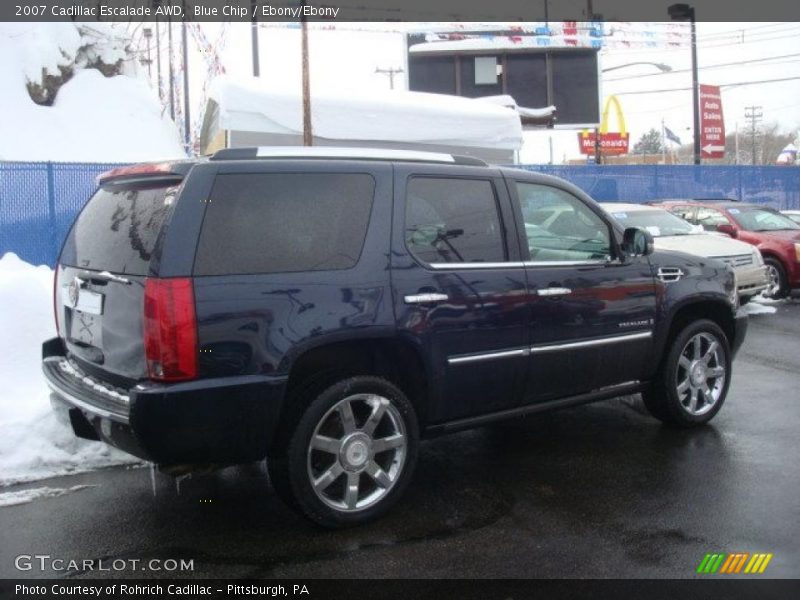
(774, 234)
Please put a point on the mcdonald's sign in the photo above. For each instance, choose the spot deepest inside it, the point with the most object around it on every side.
(611, 142)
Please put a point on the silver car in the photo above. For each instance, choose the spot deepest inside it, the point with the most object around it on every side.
(670, 232)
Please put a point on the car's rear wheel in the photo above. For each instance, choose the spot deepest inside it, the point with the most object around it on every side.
(694, 377)
(351, 454)
(777, 283)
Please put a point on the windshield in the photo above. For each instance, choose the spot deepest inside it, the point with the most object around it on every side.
(658, 222)
(761, 219)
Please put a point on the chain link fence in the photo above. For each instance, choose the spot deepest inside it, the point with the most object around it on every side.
(39, 200)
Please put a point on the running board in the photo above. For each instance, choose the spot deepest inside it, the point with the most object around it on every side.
(605, 393)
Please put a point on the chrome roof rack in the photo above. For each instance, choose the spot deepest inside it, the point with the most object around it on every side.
(332, 152)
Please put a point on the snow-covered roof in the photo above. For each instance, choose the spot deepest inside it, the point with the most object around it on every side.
(392, 116)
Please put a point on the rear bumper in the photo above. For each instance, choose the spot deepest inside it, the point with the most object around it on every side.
(224, 420)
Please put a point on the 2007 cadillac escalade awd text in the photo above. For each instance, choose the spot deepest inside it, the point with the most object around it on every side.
(327, 309)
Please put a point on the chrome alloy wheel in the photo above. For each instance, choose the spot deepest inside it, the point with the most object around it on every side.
(773, 281)
(357, 452)
(700, 379)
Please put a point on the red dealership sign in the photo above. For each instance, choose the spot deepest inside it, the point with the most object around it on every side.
(712, 126)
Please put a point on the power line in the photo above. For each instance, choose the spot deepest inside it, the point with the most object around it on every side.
(682, 89)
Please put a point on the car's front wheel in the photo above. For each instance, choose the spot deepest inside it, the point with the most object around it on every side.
(351, 454)
(694, 377)
(777, 283)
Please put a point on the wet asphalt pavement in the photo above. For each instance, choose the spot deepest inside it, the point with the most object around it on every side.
(596, 491)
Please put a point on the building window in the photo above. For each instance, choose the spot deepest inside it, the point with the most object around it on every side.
(485, 70)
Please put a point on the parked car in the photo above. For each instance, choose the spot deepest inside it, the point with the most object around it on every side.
(794, 215)
(670, 232)
(328, 308)
(774, 234)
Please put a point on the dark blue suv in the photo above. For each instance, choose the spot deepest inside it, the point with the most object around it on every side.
(327, 308)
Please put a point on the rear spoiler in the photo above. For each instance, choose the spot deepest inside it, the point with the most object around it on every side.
(167, 172)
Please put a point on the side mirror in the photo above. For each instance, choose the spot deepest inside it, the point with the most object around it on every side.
(637, 242)
(727, 229)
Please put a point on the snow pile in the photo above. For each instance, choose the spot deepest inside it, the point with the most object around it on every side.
(92, 117)
(33, 444)
(373, 115)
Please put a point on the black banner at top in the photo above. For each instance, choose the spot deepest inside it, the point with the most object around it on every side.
(391, 10)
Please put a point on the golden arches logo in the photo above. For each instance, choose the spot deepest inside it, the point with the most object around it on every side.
(613, 100)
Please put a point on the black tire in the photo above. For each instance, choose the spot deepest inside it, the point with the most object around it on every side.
(783, 282)
(663, 399)
(293, 466)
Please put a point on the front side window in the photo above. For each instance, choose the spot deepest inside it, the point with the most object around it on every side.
(560, 227)
(709, 218)
(453, 221)
(284, 222)
(684, 212)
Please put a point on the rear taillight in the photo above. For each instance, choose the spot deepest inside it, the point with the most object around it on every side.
(55, 299)
(170, 329)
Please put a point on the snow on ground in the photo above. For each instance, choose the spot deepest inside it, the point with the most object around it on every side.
(33, 444)
(757, 308)
(25, 496)
(93, 118)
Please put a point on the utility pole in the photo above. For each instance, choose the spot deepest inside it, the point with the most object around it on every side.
(158, 60)
(663, 142)
(754, 115)
(308, 134)
(736, 144)
(254, 39)
(171, 70)
(684, 12)
(391, 72)
(147, 32)
(187, 122)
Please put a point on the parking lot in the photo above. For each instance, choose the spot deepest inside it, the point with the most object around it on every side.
(597, 491)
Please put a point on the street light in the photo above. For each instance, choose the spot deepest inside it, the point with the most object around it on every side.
(684, 12)
(660, 66)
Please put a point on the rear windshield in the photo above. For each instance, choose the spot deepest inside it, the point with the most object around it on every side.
(118, 229)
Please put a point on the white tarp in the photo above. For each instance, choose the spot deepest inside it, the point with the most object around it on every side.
(394, 116)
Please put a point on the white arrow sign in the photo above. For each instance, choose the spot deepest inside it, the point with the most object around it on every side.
(710, 149)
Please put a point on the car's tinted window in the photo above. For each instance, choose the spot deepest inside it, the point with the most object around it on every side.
(453, 220)
(118, 229)
(560, 227)
(281, 222)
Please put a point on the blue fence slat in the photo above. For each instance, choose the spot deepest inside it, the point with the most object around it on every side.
(39, 200)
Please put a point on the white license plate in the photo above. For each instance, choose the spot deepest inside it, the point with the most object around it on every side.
(87, 301)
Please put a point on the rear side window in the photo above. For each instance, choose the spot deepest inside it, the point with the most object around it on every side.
(453, 221)
(118, 229)
(283, 222)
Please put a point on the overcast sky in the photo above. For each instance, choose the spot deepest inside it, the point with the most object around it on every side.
(347, 58)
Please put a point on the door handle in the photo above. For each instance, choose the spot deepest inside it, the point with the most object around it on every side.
(554, 291)
(425, 298)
